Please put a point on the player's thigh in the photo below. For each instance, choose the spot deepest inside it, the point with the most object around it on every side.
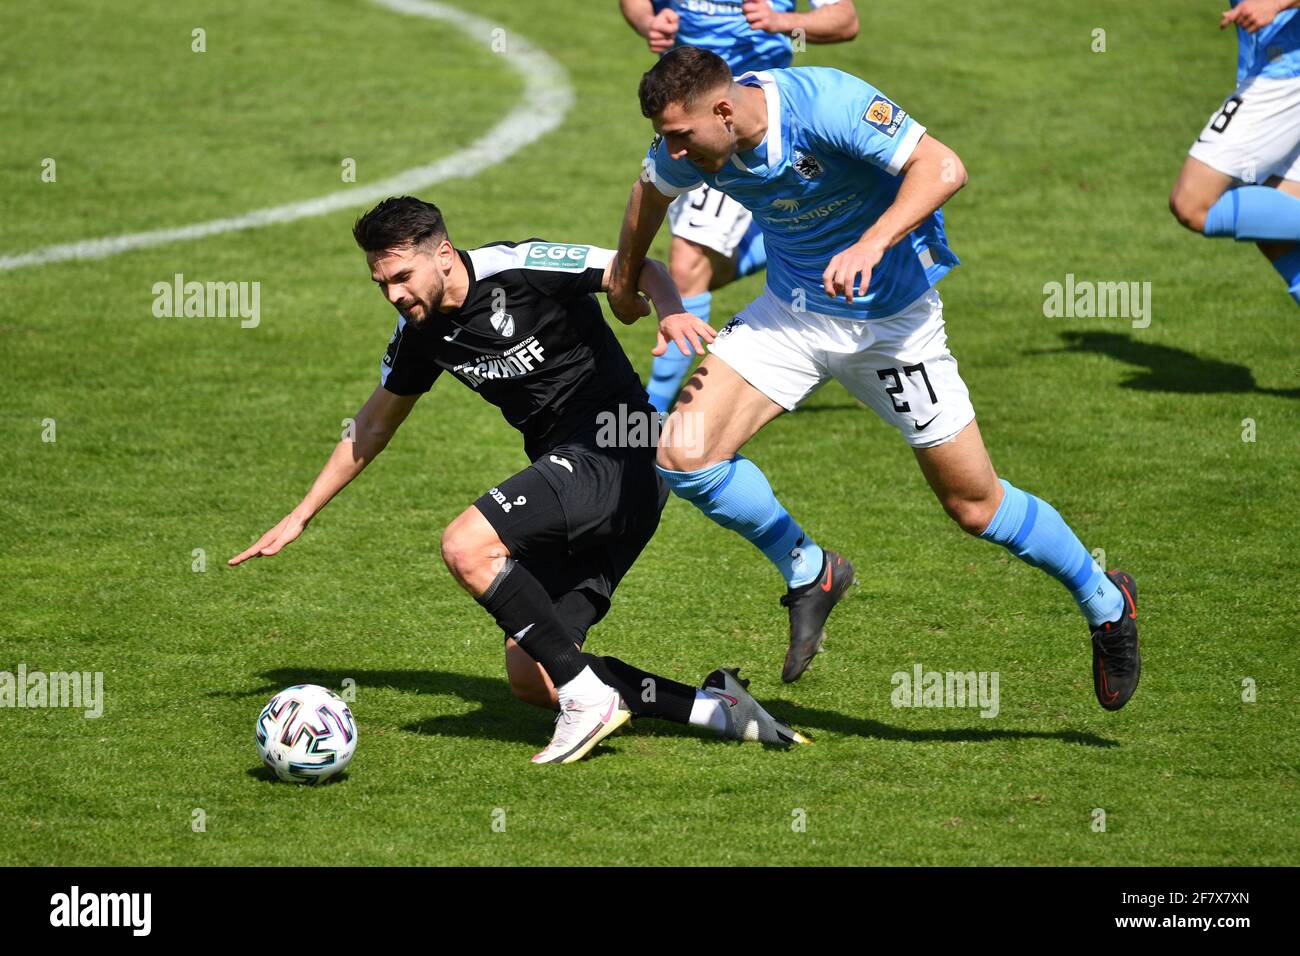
(763, 362)
(697, 269)
(902, 369)
(716, 413)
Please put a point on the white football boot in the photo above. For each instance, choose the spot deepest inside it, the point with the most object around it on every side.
(746, 718)
(579, 727)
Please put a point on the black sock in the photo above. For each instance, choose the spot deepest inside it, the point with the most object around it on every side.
(524, 611)
(646, 694)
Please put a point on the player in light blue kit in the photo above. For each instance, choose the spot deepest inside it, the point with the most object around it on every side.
(1253, 138)
(715, 239)
(847, 189)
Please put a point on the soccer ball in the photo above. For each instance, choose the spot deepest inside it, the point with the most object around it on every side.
(306, 734)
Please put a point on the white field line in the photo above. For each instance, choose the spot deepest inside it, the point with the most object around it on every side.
(547, 98)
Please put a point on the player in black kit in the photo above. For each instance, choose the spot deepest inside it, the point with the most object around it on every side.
(544, 549)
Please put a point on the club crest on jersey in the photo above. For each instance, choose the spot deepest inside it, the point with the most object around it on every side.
(884, 116)
(731, 326)
(556, 255)
(503, 322)
(806, 165)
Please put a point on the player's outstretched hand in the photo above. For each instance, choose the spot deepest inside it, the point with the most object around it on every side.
(686, 330)
(290, 526)
(663, 31)
(1250, 15)
(841, 276)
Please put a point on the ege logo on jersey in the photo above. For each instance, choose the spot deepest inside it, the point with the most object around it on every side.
(556, 255)
(884, 116)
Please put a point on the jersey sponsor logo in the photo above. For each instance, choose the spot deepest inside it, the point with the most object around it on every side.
(503, 322)
(884, 116)
(786, 205)
(805, 219)
(806, 165)
(521, 359)
(556, 255)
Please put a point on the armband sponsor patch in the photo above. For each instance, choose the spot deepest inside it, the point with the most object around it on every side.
(884, 115)
(556, 256)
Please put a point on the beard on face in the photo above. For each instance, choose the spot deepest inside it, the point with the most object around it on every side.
(426, 306)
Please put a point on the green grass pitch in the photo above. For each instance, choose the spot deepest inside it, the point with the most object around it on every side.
(178, 434)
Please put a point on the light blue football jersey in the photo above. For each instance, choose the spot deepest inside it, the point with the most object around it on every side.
(1272, 52)
(721, 28)
(828, 167)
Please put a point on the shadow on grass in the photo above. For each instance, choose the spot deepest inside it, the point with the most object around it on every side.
(500, 717)
(1169, 369)
(264, 773)
(815, 719)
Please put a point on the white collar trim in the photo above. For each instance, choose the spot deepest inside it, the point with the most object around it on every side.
(768, 84)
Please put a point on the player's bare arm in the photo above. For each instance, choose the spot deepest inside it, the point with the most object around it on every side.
(376, 423)
(659, 29)
(1251, 15)
(835, 23)
(646, 208)
(675, 323)
(931, 176)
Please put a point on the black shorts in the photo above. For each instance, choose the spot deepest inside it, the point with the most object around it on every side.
(577, 518)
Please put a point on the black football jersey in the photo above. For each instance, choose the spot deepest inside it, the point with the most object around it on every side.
(530, 338)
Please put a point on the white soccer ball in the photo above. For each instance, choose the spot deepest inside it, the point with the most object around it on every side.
(306, 734)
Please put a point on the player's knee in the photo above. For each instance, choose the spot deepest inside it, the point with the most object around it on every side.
(1188, 209)
(459, 551)
(679, 456)
(972, 516)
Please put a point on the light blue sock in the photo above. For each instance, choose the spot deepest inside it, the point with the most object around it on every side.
(1288, 266)
(1031, 529)
(1255, 213)
(737, 495)
(669, 369)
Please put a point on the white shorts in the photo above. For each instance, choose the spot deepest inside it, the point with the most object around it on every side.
(1255, 134)
(900, 366)
(709, 218)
